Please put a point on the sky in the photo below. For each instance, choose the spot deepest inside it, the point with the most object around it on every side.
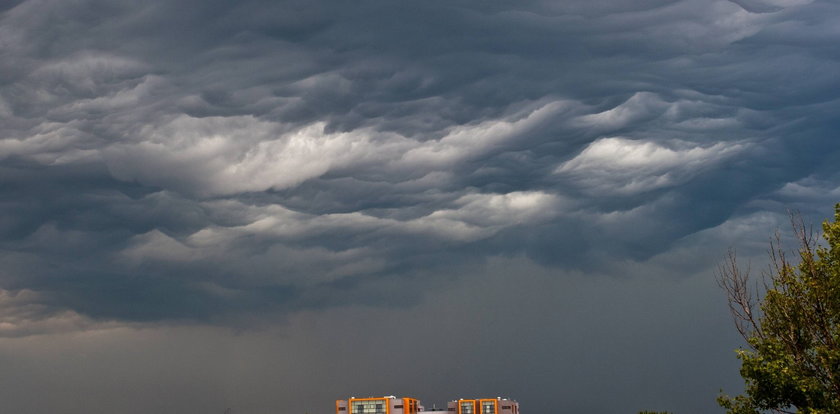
(270, 205)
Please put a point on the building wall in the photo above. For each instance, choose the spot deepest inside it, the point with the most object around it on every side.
(483, 406)
(378, 405)
(394, 405)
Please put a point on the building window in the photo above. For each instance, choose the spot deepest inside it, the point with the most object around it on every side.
(342, 408)
(488, 407)
(367, 407)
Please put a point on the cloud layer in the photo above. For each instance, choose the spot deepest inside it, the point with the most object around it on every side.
(202, 161)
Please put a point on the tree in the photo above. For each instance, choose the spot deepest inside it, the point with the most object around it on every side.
(791, 322)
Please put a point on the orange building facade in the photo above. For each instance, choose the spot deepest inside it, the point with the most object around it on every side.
(394, 405)
(378, 405)
(496, 405)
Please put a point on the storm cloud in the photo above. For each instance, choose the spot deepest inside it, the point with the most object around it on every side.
(236, 163)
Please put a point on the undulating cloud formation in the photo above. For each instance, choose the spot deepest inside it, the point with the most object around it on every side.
(244, 164)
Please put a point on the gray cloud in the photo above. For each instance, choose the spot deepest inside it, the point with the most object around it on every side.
(288, 146)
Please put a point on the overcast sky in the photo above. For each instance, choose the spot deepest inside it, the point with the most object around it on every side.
(270, 205)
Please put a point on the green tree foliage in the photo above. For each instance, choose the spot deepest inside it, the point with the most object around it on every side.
(791, 322)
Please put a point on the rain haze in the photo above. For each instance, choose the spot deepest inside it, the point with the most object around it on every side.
(270, 205)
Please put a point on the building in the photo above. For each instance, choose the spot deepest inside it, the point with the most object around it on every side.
(378, 405)
(496, 405)
(394, 405)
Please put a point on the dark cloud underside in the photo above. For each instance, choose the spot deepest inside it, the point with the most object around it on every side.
(202, 160)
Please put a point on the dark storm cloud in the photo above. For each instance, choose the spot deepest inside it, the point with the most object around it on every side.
(200, 160)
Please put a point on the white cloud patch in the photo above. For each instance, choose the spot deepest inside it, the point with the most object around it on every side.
(624, 166)
(641, 106)
(22, 314)
(48, 142)
(766, 6)
(286, 260)
(230, 155)
(158, 246)
(462, 142)
(470, 217)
